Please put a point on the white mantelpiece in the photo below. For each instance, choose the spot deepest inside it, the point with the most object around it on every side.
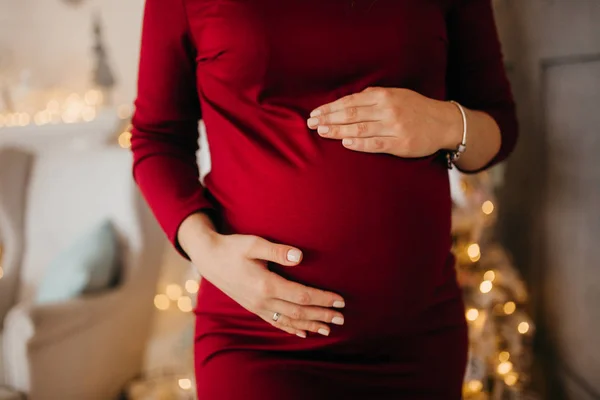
(102, 130)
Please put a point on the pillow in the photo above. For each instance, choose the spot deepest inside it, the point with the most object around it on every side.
(91, 264)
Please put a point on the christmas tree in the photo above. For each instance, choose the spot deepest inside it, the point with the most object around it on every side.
(500, 330)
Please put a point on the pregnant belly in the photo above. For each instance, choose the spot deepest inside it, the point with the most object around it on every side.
(373, 228)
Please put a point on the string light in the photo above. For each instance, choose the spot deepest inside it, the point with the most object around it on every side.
(474, 252)
(24, 119)
(504, 356)
(472, 314)
(53, 106)
(192, 286)
(161, 302)
(487, 207)
(12, 120)
(511, 378)
(173, 291)
(474, 386)
(72, 109)
(125, 140)
(185, 384)
(485, 287)
(42, 117)
(489, 276)
(184, 303)
(93, 97)
(504, 367)
(510, 307)
(523, 328)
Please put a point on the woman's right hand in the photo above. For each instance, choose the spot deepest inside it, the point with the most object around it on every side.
(237, 265)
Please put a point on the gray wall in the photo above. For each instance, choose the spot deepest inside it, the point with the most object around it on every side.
(551, 200)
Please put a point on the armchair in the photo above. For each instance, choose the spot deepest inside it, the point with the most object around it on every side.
(88, 347)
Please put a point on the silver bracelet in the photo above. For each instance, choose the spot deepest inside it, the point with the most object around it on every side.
(454, 155)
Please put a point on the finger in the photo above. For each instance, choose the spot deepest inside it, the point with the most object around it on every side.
(303, 295)
(369, 145)
(367, 97)
(262, 249)
(306, 313)
(303, 325)
(349, 115)
(283, 326)
(361, 129)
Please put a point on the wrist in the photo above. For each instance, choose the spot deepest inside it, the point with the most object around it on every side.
(452, 133)
(197, 233)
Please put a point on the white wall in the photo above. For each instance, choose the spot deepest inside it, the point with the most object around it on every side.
(54, 41)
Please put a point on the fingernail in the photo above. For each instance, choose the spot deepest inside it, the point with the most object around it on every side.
(339, 304)
(323, 332)
(293, 255)
(315, 113)
(302, 335)
(347, 142)
(323, 129)
(313, 121)
(338, 320)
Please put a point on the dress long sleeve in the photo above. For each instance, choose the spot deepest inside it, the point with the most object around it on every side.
(164, 138)
(476, 75)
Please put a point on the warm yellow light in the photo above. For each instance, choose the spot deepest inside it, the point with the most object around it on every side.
(53, 106)
(509, 307)
(69, 117)
(472, 314)
(489, 276)
(185, 384)
(504, 356)
(474, 386)
(125, 140)
(505, 367)
(24, 119)
(185, 304)
(1, 272)
(173, 291)
(88, 114)
(485, 287)
(161, 302)
(93, 97)
(192, 286)
(511, 379)
(73, 98)
(474, 252)
(523, 328)
(42, 118)
(487, 207)
(124, 111)
(12, 120)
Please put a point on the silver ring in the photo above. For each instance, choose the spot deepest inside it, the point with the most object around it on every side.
(276, 316)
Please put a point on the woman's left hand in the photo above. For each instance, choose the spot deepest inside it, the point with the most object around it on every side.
(390, 120)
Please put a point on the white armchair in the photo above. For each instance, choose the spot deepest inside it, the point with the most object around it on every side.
(87, 348)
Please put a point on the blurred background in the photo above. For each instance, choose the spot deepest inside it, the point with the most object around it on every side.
(95, 305)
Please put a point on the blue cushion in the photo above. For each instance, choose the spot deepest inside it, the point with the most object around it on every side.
(90, 264)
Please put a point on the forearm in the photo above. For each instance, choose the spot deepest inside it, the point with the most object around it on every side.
(483, 137)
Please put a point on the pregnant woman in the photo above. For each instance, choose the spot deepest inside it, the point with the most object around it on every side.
(322, 231)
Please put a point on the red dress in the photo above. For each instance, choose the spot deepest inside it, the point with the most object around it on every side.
(374, 228)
